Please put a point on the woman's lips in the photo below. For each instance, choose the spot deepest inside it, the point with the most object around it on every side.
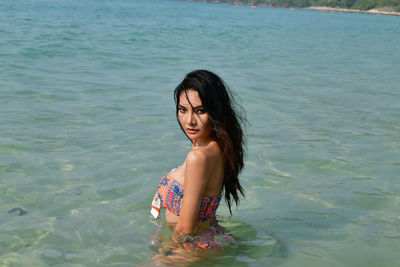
(192, 131)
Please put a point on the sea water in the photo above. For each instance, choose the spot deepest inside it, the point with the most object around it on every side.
(88, 127)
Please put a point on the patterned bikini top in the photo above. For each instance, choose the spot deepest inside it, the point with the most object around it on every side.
(169, 195)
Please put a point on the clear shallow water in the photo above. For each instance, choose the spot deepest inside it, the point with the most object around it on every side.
(87, 128)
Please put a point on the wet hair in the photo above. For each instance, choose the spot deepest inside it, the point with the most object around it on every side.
(226, 123)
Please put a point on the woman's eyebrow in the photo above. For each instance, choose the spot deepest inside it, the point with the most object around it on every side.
(196, 107)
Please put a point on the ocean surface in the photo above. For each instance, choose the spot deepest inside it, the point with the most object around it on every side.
(87, 129)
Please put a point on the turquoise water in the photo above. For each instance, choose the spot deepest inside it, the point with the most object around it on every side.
(87, 129)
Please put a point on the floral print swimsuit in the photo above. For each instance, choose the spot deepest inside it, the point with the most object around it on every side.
(169, 195)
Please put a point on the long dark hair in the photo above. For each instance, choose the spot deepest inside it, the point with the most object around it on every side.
(226, 122)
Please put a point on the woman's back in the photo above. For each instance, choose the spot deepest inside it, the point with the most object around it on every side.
(214, 169)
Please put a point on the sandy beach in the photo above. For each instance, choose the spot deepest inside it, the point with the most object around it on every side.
(371, 11)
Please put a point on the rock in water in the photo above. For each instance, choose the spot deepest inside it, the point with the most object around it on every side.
(18, 210)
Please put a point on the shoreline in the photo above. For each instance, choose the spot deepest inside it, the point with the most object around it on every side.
(338, 9)
(374, 11)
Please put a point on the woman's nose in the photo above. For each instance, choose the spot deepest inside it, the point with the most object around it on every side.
(190, 118)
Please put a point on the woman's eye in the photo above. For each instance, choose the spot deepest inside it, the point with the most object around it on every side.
(201, 111)
(182, 110)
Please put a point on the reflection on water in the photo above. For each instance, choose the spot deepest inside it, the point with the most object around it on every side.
(249, 246)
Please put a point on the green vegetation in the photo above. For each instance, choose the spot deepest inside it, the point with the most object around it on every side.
(393, 5)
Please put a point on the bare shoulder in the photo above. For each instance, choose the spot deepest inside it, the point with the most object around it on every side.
(204, 155)
(203, 163)
(196, 157)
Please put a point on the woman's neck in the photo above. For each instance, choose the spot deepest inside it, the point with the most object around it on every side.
(200, 142)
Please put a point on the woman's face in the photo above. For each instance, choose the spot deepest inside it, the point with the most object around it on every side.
(195, 121)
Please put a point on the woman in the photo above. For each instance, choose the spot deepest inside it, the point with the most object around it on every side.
(191, 192)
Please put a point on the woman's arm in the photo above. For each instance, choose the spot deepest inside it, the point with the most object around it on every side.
(194, 187)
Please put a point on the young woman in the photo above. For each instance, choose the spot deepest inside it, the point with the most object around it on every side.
(191, 192)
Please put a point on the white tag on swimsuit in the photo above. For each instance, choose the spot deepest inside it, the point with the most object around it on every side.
(155, 207)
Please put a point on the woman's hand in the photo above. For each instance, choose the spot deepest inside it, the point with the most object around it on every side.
(174, 252)
(181, 239)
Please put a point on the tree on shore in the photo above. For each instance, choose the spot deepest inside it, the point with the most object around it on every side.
(351, 4)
